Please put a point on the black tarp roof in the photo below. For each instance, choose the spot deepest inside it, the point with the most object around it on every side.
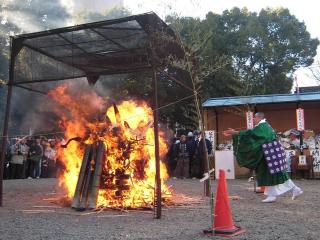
(90, 50)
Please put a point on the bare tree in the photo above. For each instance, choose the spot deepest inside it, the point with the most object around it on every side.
(315, 70)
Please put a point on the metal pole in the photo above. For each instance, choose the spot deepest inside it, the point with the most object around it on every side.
(4, 140)
(6, 119)
(156, 145)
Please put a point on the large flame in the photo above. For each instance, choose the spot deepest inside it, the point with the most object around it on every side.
(126, 130)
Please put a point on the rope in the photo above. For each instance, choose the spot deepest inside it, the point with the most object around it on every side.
(128, 118)
(33, 135)
(54, 133)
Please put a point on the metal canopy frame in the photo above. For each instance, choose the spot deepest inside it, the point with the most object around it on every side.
(93, 49)
(118, 58)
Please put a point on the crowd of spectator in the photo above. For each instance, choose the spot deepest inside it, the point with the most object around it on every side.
(185, 157)
(36, 157)
(31, 157)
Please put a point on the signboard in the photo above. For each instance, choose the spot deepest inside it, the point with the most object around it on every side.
(302, 160)
(225, 160)
(300, 119)
(249, 117)
(211, 136)
(315, 153)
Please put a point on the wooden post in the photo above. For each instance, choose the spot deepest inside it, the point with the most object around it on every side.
(5, 140)
(217, 125)
(204, 149)
(15, 48)
(206, 163)
(156, 148)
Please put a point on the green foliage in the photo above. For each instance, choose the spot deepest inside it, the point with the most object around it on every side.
(194, 39)
(241, 53)
(237, 52)
(234, 53)
(266, 48)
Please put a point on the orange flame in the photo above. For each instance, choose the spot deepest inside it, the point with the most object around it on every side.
(127, 133)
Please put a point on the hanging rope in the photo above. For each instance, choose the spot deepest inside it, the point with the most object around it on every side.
(126, 119)
(195, 94)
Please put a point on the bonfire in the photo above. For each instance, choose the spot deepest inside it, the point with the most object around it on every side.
(126, 131)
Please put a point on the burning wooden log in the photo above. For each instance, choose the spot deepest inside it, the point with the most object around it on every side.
(89, 179)
(79, 188)
(96, 181)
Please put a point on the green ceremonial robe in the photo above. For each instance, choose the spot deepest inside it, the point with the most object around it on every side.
(247, 147)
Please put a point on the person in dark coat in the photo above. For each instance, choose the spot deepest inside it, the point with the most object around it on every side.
(182, 156)
(36, 153)
(171, 161)
(191, 148)
(199, 164)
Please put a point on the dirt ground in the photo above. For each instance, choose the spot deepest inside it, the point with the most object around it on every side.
(29, 213)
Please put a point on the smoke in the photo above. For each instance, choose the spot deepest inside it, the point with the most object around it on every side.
(30, 110)
(110, 86)
(33, 15)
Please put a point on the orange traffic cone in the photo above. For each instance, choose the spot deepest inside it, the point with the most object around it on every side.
(223, 222)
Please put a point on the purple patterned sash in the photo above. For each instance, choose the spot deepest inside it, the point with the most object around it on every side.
(275, 156)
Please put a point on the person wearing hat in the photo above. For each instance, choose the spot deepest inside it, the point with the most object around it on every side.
(247, 145)
(199, 160)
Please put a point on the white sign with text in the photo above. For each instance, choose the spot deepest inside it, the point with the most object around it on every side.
(249, 116)
(315, 153)
(225, 160)
(302, 160)
(300, 119)
(211, 136)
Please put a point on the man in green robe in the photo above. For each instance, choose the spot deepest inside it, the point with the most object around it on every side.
(247, 146)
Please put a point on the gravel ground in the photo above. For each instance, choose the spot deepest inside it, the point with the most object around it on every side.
(284, 219)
